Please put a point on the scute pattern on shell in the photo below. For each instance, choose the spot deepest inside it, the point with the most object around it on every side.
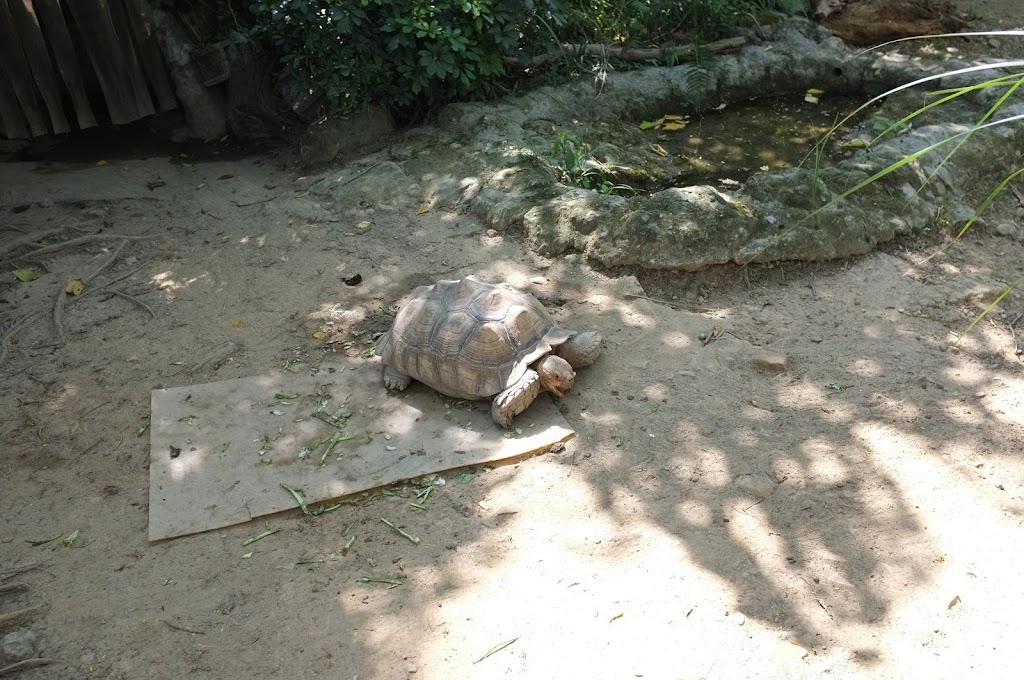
(469, 339)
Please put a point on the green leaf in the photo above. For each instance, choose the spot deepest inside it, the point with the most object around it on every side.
(26, 275)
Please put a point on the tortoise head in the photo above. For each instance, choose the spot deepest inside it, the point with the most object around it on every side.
(556, 375)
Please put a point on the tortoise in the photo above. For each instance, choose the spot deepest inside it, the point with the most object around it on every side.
(474, 340)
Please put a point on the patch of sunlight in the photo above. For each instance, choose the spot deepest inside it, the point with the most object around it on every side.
(965, 372)
(695, 513)
(656, 392)
(964, 413)
(865, 368)
(823, 463)
(166, 282)
(188, 462)
(677, 339)
(894, 409)
(873, 332)
(1006, 403)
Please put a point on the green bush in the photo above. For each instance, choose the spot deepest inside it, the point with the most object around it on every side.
(401, 52)
(393, 51)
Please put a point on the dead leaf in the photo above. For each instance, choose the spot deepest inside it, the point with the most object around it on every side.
(102, 163)
(318, 334)
(237, 323)
(617, 616)
(954, 602)
(659, 149)
(26, 275)
(673, 125)
(74, 287)
(423, 211)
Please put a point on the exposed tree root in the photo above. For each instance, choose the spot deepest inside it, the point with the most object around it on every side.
(27, 663)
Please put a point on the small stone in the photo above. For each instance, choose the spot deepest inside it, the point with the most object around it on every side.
(1006, 229)
(492, 233)
(756, 485)
(410, 667)
(771, 363)
(18, 645)
(538, 280)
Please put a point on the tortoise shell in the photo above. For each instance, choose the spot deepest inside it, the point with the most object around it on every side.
(469, 339)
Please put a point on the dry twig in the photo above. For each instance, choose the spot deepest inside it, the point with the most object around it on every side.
(16, 617)
(26, 663)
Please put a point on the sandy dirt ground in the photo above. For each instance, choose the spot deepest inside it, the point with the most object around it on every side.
(827, 488)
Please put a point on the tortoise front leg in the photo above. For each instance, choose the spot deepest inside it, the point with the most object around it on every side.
(516, 398)
(394, 380)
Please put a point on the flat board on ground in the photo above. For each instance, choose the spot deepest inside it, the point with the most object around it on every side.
(221, 451)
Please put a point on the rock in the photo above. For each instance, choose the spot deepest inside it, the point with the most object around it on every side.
(771, 363)
(492, 233)
(18, 645)
(1006, 229)
(335, 136)
(756, 484)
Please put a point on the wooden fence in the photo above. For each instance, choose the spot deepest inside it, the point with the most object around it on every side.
(91, 61)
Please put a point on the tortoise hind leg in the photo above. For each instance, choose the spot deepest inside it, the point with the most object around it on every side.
(394, 380)
(516, 398)
(581, 350)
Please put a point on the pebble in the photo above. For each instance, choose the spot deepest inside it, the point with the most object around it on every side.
(771, 363)
(492, 232)
(756, 484)
(538, 280)
(18, 645)
(1006, 229)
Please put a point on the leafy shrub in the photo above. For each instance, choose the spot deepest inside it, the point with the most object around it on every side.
(394, 51)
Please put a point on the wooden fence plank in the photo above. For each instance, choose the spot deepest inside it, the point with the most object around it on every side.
(14, 124)
(17, 70)
(137, 79)
(149, 52)
(27, 25)
(100, 40)
(55, 27)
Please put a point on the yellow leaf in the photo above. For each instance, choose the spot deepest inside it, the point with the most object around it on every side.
(318, 334)
(673, 125)
(26, 275)
(74, 287)
(102, 163)
(659, 149)
(363, 225)
(765, 168)
(672, 117)
(647, 125)
(814, 92)
(423, 210)
(237, 323)
(856, 144)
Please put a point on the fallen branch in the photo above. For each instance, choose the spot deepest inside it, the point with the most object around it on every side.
(140, 303)
(627, 53)
(28, 239)
(26, 663)
(81, 240)
(183, 629)
(16, 617)
(8, 573)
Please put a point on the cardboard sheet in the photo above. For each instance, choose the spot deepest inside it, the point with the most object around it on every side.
(220, 451)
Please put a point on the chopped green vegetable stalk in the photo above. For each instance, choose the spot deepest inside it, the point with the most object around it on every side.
(297, 495)
(414, 539)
